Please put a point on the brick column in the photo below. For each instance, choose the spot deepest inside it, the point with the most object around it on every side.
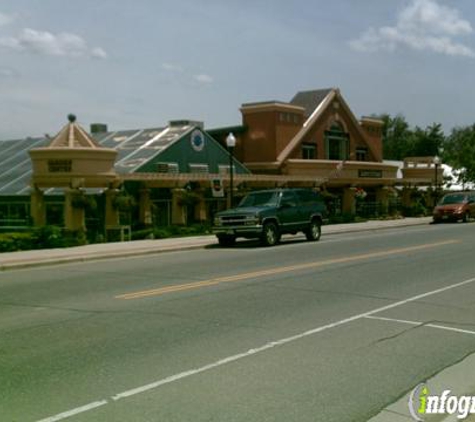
(406, 197)
(178, 211)
(74, 218)
(112, 218)
(382, 196)
(200, 209)
(37, 208)
(349, 201)
(145, 207)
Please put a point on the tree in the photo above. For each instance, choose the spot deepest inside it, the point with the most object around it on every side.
(400, 141)
(459, 152)
(427, 142)
(396, 137)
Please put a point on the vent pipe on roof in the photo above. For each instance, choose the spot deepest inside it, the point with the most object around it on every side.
(186, 122)
(98, 127)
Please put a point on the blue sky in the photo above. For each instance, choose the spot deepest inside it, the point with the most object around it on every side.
(142, 63)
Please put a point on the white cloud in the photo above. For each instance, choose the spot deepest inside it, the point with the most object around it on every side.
(171, 67)
(5, 19)
(45, 43)
(203, 79)
(185, 75)
(7, 72)
(99, 53)
(423, 25)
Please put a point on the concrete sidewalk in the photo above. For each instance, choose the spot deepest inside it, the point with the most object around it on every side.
(26, 259)
(459, 379)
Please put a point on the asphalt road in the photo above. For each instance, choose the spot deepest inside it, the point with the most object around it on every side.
(327, 331)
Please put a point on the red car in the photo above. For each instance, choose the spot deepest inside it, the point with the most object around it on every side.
(454, 207)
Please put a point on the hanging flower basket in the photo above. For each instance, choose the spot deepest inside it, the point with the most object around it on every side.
(360, 194)
(123, 202)
(188, 198)
(81, 201)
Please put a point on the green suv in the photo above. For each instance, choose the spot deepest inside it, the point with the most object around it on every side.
(268, 214)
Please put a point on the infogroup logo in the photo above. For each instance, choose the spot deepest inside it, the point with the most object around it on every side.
(422, 403)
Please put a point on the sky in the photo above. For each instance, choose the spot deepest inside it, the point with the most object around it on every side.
(139, 64)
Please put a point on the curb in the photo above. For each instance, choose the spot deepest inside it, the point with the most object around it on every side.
(17, 263)
(90, 257)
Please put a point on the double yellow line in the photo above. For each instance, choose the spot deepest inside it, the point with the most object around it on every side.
(279, 270)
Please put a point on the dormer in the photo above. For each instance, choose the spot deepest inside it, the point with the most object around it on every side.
(373, 129)
(271, 125)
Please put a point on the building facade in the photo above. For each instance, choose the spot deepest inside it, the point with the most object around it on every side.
(181, 172)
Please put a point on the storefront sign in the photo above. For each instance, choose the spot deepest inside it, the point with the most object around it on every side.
(59, 166)
(370, 174)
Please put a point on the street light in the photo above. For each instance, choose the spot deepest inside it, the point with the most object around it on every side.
(436, 166)
(231, 143)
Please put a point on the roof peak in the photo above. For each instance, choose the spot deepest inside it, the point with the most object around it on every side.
(310, 100)
(72, 135)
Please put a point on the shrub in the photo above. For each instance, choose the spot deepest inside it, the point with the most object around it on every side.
(142, 234)
(342, 218)
(47, 237)
(11, 242)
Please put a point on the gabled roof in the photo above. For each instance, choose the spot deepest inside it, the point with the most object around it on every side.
(310, 100)
(321, 99)
(313, 117)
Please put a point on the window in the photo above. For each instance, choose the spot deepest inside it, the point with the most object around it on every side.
(289, 118)
(198, 168)
(288, 198)
(309, 151)
(308, 196)
(361, 153)
(264, 198)
(224, 169)
(337, 143)
(167, 168)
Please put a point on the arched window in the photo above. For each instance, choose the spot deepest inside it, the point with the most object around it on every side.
(337, 142)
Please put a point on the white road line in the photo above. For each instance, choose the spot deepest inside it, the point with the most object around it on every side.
(251, 352)
(76, 411)
(423, 324)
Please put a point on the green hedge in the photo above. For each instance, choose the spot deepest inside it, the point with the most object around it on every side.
(171, 231)
(11, 242)
(42, 238)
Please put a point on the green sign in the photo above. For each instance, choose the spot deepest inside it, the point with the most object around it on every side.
(370, 174)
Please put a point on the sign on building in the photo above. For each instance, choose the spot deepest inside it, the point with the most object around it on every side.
(217, 188)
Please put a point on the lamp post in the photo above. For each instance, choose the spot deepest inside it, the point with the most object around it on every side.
(231, 143)
(436, 167)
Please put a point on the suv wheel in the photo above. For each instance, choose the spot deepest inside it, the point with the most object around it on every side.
(270, 234)
(466, 217)
(314, 232)
(226, 240)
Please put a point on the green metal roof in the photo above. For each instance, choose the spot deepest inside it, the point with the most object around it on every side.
(135, 149)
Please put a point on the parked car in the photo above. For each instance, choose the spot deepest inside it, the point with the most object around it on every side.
(454, 207)
(268, 214)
